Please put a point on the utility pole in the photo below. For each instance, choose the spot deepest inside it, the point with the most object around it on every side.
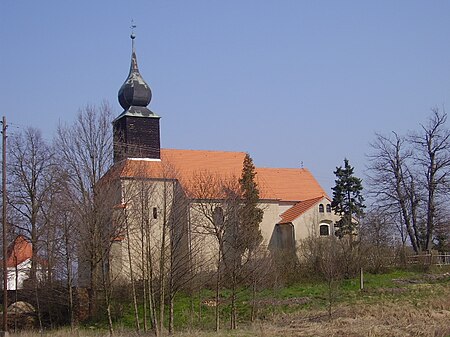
(5, 245)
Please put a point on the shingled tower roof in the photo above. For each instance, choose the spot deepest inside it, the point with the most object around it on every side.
(135, 94)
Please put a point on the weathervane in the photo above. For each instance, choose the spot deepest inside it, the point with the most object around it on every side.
(132, 35)
(132, 27)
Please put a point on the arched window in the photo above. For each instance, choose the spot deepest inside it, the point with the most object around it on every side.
(328, 208)
(321, 208)
(324, 230)
(285, 236)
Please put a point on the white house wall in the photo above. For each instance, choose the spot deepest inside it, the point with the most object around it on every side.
(17, 275)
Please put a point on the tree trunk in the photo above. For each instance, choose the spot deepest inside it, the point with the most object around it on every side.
(218, 294)
(171, 303)
(107, 291)
(143, 266)
(200, 306)
(38, 306)
(253, 312)
(171, 287)
(430, 215)
(162, 262)
(133, 287)
(92, 293)
(151, 298)
(233, 300)
(69, 281)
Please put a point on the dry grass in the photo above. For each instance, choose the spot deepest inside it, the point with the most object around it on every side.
(382, 319)
(387, 319)
(423, 311)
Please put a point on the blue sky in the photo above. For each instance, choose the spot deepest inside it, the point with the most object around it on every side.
(287, 81)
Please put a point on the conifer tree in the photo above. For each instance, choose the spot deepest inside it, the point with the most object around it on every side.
(348, 201)
(251, 215)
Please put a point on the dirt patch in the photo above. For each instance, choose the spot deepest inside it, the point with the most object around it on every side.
(387, 291)
(287, 301)
(424, 278)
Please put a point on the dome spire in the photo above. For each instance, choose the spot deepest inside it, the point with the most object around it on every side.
(134, 92)
(136, 129)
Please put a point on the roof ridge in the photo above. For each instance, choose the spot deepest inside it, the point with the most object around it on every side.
(198, 150)
(315, 198)
(284, 168)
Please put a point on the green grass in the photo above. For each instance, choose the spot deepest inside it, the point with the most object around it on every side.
(398, 299)
(271, 302)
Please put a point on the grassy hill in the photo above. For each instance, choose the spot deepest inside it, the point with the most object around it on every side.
(398, 303)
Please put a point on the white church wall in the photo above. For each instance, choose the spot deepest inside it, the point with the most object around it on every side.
(203, 244)
(147, 206)
(270, 218)
(308, 224)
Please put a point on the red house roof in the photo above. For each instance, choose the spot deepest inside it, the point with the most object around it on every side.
(19, 251)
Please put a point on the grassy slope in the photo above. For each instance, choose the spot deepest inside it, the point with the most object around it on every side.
(398, 303)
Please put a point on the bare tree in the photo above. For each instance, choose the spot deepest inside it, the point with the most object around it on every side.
(393, 186)
(31, 164)
(330, 268)
(233, 248)
(233, 224)
(155, 231)
(37, 185)
(442, 230)
(43, 213)
(68, 234)
(58, 247)
(433, 157)
(376, 234)
(211, 215)
(85, 151)
(174, 255)
(410, 176)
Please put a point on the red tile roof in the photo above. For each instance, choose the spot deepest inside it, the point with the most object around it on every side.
(19, 251)
(288, 184)
(187, 165)
(298, 209)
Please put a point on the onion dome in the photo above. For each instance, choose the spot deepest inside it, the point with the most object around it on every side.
(135, 92)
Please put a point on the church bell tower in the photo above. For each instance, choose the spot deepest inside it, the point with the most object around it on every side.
(136, 129)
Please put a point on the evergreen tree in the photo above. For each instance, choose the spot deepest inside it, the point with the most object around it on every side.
(348, 201)
(251, 215)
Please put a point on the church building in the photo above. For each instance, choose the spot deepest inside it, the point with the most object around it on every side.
(186, 190)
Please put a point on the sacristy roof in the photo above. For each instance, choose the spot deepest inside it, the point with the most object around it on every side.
(298, 209)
